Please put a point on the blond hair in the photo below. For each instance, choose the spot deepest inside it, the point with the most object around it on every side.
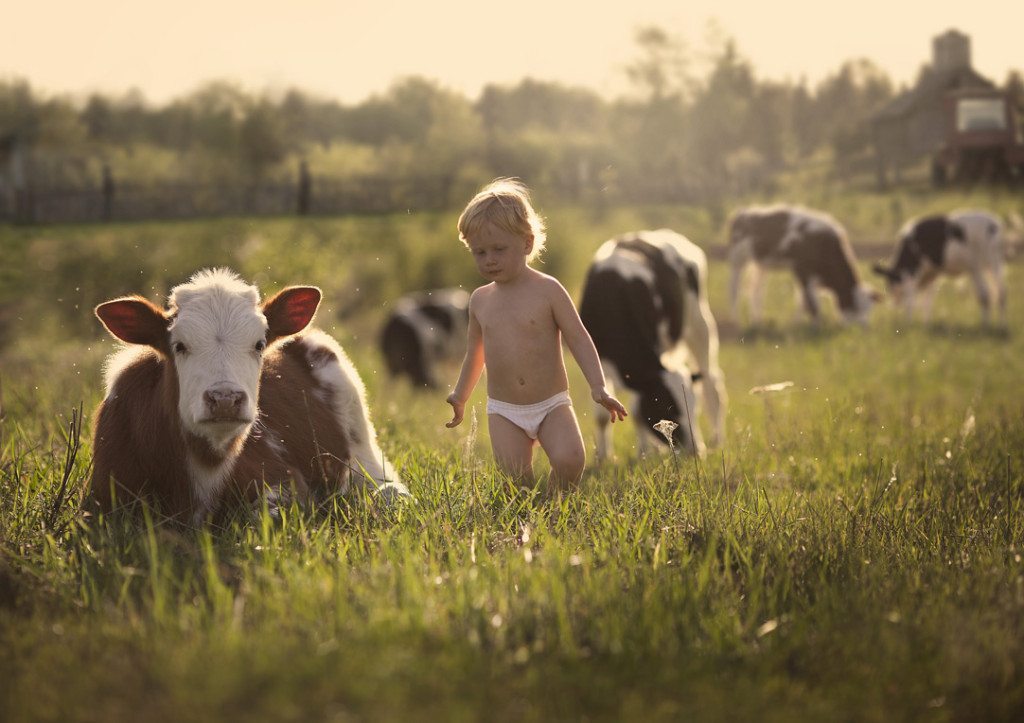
(504, 202)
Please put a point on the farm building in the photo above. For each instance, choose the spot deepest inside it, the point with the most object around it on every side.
(914, 123)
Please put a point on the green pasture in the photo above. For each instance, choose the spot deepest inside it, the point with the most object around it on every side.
(853, 552)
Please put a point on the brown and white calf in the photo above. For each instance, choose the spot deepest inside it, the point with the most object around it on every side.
(811, 244)
(645, 305)
(220, 398)
(962, 242)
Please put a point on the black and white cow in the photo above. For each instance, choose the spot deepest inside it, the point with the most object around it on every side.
(813, 245)
(645, 305)
(422, 329)
(961, 242)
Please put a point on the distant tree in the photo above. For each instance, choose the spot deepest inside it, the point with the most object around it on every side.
(261, 140)
(721, 122)
(803, 120)
(98, 116)
(537, 104)
(215, 111)
(19, 110)
(310, 120)
(552, 134)
(403, 114)
(845, 101)
(662, 68)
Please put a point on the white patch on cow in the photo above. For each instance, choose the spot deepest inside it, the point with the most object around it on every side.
(207, 485)
(115, 364)
(217, 326)
(957, 258)
(624, 262)
(338, 376)
(983, 232)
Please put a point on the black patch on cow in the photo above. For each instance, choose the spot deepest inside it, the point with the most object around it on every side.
(405, 350)
(621, 317)
(440, 314)
(668, 287)
(693, 280)
(926, 239)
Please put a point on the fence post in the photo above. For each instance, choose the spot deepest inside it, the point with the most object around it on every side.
(304, 190)
(108, 193)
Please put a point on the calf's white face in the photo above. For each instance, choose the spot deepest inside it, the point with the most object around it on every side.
(214, 332)
(217, 338)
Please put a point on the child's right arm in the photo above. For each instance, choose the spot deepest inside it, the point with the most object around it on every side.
(472, 366)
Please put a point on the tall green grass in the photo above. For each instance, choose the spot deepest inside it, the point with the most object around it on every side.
(852, 552)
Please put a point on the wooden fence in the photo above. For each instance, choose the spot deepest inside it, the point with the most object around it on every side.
(113, 200)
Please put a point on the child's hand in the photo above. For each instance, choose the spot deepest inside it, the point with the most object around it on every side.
(606, 400)
(458, 410)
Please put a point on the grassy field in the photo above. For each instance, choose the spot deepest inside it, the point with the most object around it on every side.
(854, 552)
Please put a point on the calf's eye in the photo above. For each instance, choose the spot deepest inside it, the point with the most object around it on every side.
(261, 345)
(180, 348)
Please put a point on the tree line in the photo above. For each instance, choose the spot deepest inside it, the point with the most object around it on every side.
(678, 135)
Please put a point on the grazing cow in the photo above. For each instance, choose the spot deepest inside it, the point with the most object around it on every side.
(963, 241)
(422, 329)
(645, 305)
(220, 396)
(812, 244)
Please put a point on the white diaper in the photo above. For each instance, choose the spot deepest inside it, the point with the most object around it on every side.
(528, 417)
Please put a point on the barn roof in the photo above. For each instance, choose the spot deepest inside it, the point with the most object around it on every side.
(930, 87)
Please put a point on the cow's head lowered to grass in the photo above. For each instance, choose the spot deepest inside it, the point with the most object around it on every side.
(214, 333)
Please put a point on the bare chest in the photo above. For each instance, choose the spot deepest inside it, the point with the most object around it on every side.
(517, 320)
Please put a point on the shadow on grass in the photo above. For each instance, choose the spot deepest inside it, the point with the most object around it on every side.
(956, 330)
(731, 332)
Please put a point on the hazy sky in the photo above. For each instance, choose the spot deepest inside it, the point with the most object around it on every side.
(350, 49)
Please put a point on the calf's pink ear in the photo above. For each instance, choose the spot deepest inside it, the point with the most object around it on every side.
(290, 310)
(135, 320)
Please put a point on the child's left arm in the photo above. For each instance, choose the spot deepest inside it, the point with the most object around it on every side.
(583, 350)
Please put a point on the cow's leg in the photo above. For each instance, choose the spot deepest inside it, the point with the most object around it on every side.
(739, 260)
(644, 436)
(701, 338)
(981, 288)
(809, 293)
(757, 291)
(928, 288)
(909, 296)
(924, 287)
(999, 276)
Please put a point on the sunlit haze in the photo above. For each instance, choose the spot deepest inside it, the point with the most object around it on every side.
(351, 49)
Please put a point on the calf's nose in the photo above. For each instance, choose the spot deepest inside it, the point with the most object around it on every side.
(223, 402)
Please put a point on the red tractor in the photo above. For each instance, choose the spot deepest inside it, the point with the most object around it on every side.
(983, 139)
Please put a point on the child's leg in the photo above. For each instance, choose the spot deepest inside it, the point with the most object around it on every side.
(559, 436)
(513, 449)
